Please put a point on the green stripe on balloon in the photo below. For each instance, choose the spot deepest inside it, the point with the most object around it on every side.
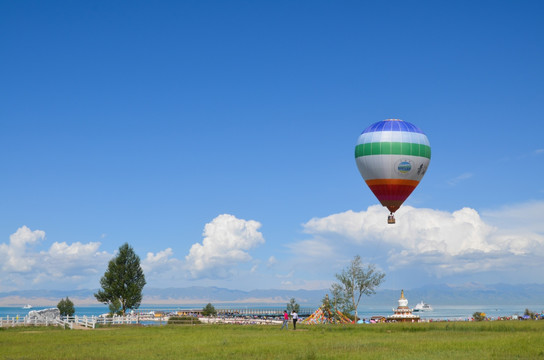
(393, 148)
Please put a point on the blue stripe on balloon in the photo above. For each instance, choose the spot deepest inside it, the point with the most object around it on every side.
(393, 125)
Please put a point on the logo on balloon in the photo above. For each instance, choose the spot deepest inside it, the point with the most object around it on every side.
(404, 167)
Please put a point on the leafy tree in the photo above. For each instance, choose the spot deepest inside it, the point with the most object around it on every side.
(66, 307)
(292, 305)
(355, 281)
(478, 316)
(123, 281)
(209, 310)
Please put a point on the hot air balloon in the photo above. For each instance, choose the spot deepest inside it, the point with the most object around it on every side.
(392, 156)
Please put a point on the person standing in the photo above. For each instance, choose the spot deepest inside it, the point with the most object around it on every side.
(294, 315)
(285, 320)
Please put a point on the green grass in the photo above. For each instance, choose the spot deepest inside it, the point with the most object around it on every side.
(454, 340)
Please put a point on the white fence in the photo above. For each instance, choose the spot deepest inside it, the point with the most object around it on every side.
(94, 321)
(10, 321)
(69, 322)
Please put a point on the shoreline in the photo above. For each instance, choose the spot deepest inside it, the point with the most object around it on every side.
(440, 312)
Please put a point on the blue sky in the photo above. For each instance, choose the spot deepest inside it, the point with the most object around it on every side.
(217, 138)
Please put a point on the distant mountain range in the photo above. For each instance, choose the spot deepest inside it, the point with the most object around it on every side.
(466, 294)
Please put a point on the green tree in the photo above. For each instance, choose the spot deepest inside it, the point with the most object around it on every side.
(355, 281)
(209, 310)
(292, 305)
(66, 307)
(123, 281)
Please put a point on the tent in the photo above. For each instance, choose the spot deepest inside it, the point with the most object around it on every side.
(321, 316)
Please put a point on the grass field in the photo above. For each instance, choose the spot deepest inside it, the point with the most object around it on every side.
(453, 340)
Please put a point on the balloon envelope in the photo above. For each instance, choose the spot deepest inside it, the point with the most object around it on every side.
(392, 156)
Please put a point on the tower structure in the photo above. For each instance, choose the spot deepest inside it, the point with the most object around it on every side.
(403, 313)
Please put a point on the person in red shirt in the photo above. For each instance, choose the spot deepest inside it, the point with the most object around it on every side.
(285, 320)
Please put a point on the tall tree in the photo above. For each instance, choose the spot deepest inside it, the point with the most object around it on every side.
(123, 281)
(357, 280)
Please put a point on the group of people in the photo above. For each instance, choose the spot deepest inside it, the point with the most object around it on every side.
(285, 324)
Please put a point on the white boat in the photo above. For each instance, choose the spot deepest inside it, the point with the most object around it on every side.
(27, 306)
(423, 307)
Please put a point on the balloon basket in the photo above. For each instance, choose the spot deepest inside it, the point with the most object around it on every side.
(390, 219)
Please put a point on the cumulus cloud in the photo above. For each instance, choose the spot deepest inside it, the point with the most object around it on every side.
(75, 260)
(13, 255)
(22, 264)
(161, 263)
(161, 257)
(226, 242)
(442, 243)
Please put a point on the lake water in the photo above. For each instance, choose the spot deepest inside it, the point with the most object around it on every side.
(440, 312)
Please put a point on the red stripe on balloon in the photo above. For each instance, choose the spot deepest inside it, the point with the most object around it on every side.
(390, 195)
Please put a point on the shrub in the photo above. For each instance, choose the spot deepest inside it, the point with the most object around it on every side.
(478, 316)
(66, 307)
(183, 320)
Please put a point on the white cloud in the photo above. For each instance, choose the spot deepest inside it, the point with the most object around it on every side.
(62, 251)
(441, 243)
(456, 180)
(13, 255)
(524, 217)
(271, 261)
(72, 261)
(72, 264)
(160, 260)
(505, 243)
(162, 268)
(226, 243)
